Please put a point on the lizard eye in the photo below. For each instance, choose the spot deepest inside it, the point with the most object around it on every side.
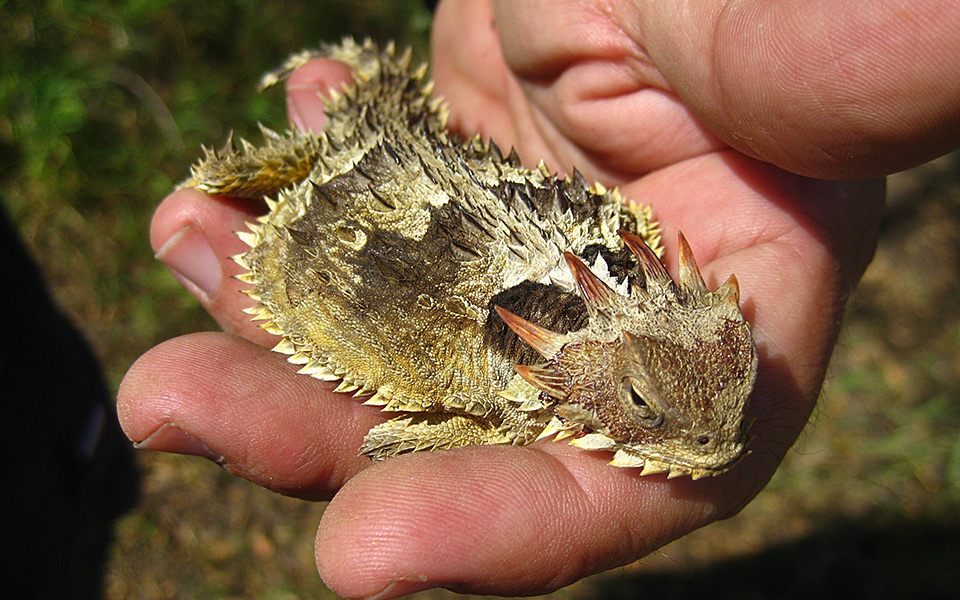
(632, 397)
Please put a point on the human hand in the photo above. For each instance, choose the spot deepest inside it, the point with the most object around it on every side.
(572, 90)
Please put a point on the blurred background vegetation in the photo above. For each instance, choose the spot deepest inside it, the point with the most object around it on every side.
(104, 104)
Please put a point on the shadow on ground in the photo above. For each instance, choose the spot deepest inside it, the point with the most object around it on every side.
(847, 559)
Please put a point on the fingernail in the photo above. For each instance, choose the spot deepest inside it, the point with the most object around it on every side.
(387, 592)
(188, 254)
(170, 438)
(308, 96)
(293, 110)
(401, 588)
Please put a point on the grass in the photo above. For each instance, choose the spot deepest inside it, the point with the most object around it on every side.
(102, 106)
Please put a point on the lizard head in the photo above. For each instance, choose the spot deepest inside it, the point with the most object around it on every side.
(660, 375)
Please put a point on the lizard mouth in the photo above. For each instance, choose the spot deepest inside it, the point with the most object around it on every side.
(655, 459)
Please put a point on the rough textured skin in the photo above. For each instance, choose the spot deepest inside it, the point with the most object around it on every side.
(485, 302)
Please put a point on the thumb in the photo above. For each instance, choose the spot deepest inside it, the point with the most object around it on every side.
(305, 88)
(833, 90)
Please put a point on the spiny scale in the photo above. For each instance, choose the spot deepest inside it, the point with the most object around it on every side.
(435, 276)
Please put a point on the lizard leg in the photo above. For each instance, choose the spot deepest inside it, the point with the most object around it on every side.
(429, 431)
(364, 59)
(254, 172)
(287, 159)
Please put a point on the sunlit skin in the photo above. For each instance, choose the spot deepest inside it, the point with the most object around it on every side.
(671, 103)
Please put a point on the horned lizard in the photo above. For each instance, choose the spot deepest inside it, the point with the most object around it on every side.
(485, 302)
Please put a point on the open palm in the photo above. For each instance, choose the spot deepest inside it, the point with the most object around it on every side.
(574, 86)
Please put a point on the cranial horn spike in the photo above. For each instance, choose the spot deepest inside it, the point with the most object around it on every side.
(544, 341)
(730, 291)
(595, 292)
(631, 340)
(690, 276)
(649, 263)
(545, 379)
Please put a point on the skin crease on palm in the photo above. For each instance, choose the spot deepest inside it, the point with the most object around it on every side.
(659, 99)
